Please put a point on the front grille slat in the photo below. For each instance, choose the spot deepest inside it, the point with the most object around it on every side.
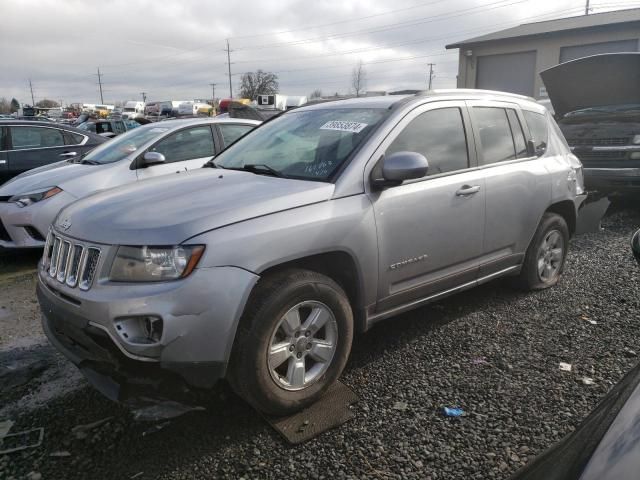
(74, 265)
(70, 263)
(89, 268)
(62, 263)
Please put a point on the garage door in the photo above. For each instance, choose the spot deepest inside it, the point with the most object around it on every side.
(511, 72)
(579, 51)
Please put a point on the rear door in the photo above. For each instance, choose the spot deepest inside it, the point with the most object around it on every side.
(186, 149)
(517, 184)
(34, 146)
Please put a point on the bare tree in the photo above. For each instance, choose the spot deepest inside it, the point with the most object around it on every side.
(317, 93)
(359, 79)
(5, 105)
(46, 103)
(15, 105)
(257, 83)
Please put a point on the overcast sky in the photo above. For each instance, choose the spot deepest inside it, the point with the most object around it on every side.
(173, 49)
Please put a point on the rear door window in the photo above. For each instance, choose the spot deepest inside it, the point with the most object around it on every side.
(24, 138)
(439, 135)
(537, 123)
(230, 132)
(187, 144)
(72, 138)
(496, 141)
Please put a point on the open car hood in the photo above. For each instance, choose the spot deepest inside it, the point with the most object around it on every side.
(596, 81)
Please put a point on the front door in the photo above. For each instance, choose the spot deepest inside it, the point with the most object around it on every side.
(430, 230)
(184, 150)
(4, 155)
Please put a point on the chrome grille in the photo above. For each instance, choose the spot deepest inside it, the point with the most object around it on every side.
(69, 262)
(592, 142)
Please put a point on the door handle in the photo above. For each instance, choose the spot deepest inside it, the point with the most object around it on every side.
(466, 190)
(68, 154)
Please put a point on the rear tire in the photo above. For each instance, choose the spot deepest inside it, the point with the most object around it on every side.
(545, 257)
(292, 343)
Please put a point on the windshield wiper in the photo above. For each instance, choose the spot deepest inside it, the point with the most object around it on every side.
(89, 162)
(260, 169)
(257, 168)
(211, 164)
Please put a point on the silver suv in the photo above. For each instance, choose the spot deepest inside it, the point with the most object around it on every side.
(311, 228)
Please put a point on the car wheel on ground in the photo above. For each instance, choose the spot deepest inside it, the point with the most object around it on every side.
(293, 341)
(544, 260)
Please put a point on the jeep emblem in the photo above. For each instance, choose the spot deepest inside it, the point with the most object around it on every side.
(65, 224)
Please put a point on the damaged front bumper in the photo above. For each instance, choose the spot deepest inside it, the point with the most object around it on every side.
(194, 349)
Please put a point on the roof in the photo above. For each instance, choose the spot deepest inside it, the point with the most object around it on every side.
(179, 122)
(388, 101)
(558, 25)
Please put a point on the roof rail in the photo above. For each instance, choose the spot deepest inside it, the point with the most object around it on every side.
(457, 91)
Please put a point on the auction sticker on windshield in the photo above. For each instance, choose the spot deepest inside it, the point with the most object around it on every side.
(354, 127)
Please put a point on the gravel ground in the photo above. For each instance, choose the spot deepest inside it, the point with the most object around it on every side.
(492, 351)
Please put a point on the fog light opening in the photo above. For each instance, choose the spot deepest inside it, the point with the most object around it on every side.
(143, 330)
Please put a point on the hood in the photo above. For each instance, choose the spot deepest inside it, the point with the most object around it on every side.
(605, 446)
(596, 81)
(74, 178)
(168, 210)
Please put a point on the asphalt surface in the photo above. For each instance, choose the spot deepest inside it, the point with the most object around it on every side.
(493, 351)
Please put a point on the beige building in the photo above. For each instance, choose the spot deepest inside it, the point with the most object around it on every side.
(511, 59)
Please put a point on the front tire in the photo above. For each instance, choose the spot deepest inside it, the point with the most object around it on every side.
(292, 343)
(545, 257)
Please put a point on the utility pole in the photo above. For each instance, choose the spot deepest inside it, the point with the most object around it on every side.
(33, 102)
(431, 74)
(144, 96)
(213, 93)
(100, 84)
(586, 8)
(229, 65)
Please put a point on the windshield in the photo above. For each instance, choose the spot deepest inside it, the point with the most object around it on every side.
(129, 109)
(309, 144)
(123, 145)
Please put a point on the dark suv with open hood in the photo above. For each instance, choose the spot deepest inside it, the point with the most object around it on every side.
(597, 102)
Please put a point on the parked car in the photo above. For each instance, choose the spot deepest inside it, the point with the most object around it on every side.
(30, 202)
(597, 101)
(320, 223)
(605, 445)
(25, 145)
(109, 127)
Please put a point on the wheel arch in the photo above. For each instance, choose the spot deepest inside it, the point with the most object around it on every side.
(567, 210)
(338, 265)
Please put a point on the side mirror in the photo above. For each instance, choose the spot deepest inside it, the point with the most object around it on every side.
(399, 166)
(152, 158)
(635, 246)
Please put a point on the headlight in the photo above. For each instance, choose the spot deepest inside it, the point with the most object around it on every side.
(26, 199)
(636, 140)
(154, 264)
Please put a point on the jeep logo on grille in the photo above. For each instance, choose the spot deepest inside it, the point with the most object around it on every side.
(65, 224)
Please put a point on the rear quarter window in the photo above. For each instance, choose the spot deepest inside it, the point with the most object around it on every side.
(537, 123)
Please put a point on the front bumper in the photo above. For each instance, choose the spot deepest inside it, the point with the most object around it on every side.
(27, 227)
(612, 178)
(200, 316)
